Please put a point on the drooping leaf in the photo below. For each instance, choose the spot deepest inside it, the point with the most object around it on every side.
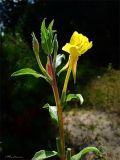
(74, 96)
(27, 71)
(85, 151)
(59, 58)
(42, 154)
(53, 113)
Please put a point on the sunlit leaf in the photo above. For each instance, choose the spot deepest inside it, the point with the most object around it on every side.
(53, 113)
(85, 151)
(51, 24)
(41, 155)
(47, 35)
(29, 71)
(75, 96)
(43, 29)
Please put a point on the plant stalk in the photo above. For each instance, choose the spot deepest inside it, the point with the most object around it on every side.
(59, 112)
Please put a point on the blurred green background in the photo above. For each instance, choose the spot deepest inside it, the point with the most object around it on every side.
(25, 126)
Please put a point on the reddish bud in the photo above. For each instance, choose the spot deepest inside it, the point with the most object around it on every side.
(49, 69)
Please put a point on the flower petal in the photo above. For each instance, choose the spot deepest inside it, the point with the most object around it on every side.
(67, 47)
(75, 39)
(73, 61)
(84, 48)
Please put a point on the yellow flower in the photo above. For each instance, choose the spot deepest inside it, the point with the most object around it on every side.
(77, 46)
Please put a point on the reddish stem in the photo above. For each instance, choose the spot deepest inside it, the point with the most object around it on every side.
(59, 111)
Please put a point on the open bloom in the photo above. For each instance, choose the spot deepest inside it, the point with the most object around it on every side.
(77, 46)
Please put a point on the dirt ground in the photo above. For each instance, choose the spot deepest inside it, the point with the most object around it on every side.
(94, 128)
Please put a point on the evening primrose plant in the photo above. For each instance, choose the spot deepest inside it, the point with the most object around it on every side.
(77, 46)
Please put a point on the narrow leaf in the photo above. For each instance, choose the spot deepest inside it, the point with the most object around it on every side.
(51, 24)
(29, 71)
(40, 155)
(85, 151)
(35, 44)
(75, 96)
(43, 29)
(53, 113)
(55, 46)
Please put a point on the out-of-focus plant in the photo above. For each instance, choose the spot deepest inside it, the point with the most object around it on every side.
(78, 45)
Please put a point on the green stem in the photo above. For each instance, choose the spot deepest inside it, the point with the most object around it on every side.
(59, 112)
(68, 155)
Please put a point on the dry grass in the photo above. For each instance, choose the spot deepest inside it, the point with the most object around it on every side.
(103, 92)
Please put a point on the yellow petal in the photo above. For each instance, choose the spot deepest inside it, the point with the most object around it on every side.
(75, 38)
(73, 61)
(84, 48)
(90, 45)
(67, 47)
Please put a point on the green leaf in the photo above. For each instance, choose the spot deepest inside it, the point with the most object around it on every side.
(44, 37)
(53, 113)
(35, 44)
(51, 24)
(27, 71)
(43, 29)
(41, 155)
(85, 151)
(75, 96)
(55, 47)
(59, 58)
(47, 36)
